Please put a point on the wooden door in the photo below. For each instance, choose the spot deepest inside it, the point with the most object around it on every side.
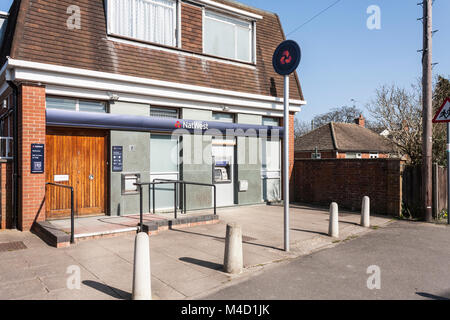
(76, 158)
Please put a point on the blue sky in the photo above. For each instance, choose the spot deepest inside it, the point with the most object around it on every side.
(343, 59)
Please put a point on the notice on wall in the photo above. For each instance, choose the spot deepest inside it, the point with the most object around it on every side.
(37, 158)
(117, 158)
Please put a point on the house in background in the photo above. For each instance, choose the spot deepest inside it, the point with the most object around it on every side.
(343, 141)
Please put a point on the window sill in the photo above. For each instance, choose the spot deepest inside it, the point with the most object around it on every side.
(177, 49)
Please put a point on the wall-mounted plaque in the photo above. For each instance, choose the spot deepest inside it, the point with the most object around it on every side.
(117, 158)
(37, 158)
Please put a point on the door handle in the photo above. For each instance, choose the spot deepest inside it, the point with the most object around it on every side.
(91, 177)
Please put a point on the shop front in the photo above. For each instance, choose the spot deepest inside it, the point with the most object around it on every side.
(103, 151)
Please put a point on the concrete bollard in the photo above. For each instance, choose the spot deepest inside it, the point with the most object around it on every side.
(142, 287)
(333, 230)
(365, 212)
(233, 261)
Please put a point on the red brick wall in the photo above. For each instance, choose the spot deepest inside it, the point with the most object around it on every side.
(31, 130)
(348, 181)
(191, 27)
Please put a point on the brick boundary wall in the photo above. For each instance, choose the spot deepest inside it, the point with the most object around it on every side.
(348, 181)
(31, 130)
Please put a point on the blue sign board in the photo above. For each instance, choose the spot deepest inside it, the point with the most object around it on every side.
(117, 158)
(286, 57)
(37, 158)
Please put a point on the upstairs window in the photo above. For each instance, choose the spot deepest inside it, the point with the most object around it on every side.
(228, 37)
(146, 20)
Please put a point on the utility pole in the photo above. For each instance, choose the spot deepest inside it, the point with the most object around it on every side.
(427, 96)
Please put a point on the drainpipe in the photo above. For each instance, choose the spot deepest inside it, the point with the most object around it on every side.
(15, 197)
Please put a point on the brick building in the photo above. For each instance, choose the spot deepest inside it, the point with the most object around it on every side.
(105, 93)
(344, 141)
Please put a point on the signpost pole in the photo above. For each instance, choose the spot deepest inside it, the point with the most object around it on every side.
(285, 60)
(286, 163)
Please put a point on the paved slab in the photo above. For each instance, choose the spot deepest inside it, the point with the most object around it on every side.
(186, 263)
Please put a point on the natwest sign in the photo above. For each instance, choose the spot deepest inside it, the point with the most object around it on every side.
(192, 125)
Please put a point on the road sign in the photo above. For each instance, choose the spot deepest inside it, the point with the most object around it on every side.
(286, 57)
(443, 115)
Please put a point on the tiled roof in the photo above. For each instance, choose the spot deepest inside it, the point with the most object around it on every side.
(41, 35)
(344, 137)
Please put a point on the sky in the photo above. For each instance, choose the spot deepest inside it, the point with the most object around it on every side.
(343, 60)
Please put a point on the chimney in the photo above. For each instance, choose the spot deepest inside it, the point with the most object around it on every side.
(361, 121)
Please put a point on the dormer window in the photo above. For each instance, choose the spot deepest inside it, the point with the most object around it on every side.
(146, 20)
(228, 37)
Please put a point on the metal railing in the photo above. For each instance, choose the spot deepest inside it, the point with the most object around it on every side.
(182, 184)
(72, 212)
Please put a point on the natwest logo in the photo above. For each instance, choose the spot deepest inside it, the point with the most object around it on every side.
(193, 125)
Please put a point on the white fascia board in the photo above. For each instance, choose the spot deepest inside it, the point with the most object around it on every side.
(154, 101)
(224, 7)
(174, 102)
(87, 79)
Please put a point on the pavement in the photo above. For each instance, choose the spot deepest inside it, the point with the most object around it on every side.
(412, 258)
(185, 263)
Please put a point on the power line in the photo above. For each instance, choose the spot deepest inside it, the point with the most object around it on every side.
(311, 19)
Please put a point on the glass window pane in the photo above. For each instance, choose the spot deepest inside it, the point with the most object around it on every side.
(223, 117)
(219, 38)
(91, 106)
(270, 122)
(61, 104)
(148, 20)
(243, 44)
(163, 154)
(163, 113)
(271, 155)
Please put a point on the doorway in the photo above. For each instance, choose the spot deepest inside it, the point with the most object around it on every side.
(77, 158)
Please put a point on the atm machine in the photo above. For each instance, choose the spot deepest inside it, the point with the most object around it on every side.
(223, 156)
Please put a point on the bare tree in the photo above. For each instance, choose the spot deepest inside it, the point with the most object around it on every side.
(301, 128)
(399, 111)
(343, 114)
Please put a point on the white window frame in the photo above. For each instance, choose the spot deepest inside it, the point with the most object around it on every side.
(358, 155)
(374, 155)
(176, 26)
(252, 32)
(77, 103)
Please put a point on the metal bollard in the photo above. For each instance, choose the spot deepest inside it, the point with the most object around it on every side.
(142, 287)
(233, 260)
(365, 212)
(333, 230)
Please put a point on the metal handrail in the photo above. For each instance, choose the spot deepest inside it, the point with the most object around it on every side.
(72, 212)
(175, 182)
